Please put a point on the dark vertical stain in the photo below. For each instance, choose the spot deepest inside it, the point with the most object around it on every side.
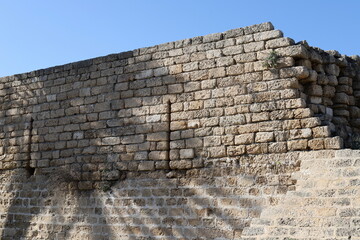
(30, 170)
(169, 128)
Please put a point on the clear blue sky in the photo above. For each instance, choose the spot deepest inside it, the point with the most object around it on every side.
(37, 34)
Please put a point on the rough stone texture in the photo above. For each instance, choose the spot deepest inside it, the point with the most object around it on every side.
(190, 139)
(325, 204)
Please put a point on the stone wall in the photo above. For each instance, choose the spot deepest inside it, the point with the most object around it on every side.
(171, 141)
(325, 204)
(209, 203)
(172, 106)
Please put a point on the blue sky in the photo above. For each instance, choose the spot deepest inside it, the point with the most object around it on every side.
(41, 33)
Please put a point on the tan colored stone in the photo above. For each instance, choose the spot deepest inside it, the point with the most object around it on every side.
(297, 144)
(262, 137)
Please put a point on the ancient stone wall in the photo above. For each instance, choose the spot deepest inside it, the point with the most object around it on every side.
(171, 141)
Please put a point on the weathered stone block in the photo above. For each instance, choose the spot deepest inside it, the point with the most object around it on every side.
(316, 144)
(111, 141)
(236, 150)
(333, 143)
(181, 164)
(159, 136)
(279, 42)
(187, 153)
(217, 151)
(267, 35)
(298, 72)
(300, 133)
(321, 132)
(262, 137)
(297, 144)
(254, 46)
(260, 148)
(158, 155)
(278, 147)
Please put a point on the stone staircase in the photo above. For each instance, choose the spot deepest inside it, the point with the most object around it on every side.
(324, 205)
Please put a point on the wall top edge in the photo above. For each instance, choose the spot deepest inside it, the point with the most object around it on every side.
(266, 26)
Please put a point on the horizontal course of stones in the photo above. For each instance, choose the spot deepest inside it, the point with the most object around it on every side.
(176, 105)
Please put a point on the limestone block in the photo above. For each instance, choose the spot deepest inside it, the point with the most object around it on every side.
(310, 122)
(329, 91)
(291, 124)
(315, 100)
(278, 147)
(212, 141)
(289, 93)
(262, 137)
(259, 148)
(316, 144)
(263, 27)
(193, 123)
(297, 144)
(235, 150)
(153, 118)
(233, 50)
(212, 37)
(217, 151)
(245, 57)
(314, 90)
(247, 128)
(178, 125)
(175, 69)
(180, 164)
(271, 74)
(146, 166)
(332, 69)
(144, 74)
(141, 155)
(279, 42)
(110, 175)
(204, 94)
(313, 76)
(295, 103)
(342, 98)
(110, 141)
(233, 33)
(158, 136)
(302, 113)
(158, 155)
(267, 35)
(333, 143)
(232, 120)
(321, 132)
(298, 72)
(297, 51)
(161, 71)
(177, 144)
(284, 62)
(139, 138)
(300, 133)
(194, 142)
(187, 153)
(254, 46)
(175, 88)
(235, 69)
(207, 64)
(210, 54)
